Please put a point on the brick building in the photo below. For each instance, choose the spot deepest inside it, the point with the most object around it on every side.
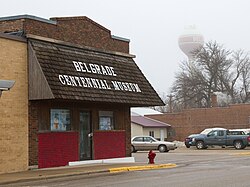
(191, 121)
(14, 105)
(75, 84)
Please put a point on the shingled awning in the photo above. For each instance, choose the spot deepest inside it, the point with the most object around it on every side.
(60, 71)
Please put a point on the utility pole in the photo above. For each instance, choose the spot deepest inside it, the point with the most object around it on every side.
(170, 103)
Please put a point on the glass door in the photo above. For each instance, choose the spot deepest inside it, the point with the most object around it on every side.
(85, 136)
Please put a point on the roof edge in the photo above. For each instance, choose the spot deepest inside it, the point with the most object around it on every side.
(120, 38)
(80, 18)
(13, 37)
(150, 126)
(26, 16)
(31, 36)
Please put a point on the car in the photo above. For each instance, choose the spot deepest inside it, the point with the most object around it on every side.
(147, 143)
(188, 140)
(219, 137)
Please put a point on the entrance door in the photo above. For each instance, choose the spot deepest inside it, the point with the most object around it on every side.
(162, 135)
(85, 136)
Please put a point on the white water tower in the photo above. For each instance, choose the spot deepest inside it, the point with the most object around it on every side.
(190, 40)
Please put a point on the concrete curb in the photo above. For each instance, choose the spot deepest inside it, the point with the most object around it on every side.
(53, 176)
(43, 174)
(137, 168)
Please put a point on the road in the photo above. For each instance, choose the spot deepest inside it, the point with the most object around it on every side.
(196, 168)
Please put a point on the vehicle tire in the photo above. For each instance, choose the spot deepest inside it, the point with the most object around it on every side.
(133, 149)
(187, 146)
(238, 144)
(200, 145)
(162, 148)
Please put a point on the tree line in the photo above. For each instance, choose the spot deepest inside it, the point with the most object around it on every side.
(212, 70)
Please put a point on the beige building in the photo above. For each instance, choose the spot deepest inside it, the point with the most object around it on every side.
(14, 105)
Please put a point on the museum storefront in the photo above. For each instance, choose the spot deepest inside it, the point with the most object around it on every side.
(79, 102)
(74, 86)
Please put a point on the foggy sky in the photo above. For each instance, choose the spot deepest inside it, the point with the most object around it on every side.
(153, 27)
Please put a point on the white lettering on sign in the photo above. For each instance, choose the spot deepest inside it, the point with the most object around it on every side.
(89, 82)
(94, 68)
(125, 86)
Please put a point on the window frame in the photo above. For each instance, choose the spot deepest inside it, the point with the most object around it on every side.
(152, 133)
(106, 116)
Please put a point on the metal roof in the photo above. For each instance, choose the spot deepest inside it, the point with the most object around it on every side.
(148, 122)
(142, 111)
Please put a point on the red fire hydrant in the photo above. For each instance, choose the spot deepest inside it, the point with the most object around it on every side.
(151, 157)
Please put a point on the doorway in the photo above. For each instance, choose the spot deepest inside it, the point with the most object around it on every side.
(162, 135)
(85, 131)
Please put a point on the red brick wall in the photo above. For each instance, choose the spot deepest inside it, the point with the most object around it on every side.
(57, 149)
(192, 121)
(33, 130)
(76, 30)
(109, 144)
(8, 26)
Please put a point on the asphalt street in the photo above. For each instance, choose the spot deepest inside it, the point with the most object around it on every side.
(223, 167)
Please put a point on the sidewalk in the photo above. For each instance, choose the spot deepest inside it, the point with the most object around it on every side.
(38, 174)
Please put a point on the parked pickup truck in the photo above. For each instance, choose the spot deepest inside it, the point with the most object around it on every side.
(218, 136)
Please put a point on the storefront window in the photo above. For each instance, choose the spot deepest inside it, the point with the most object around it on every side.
(59, 120)
(106, 120)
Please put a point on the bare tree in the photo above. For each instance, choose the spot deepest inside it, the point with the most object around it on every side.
(243, 67)
(170, 104)
(164, 108)
(189, 86)
(214, 69)
(214, 62)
